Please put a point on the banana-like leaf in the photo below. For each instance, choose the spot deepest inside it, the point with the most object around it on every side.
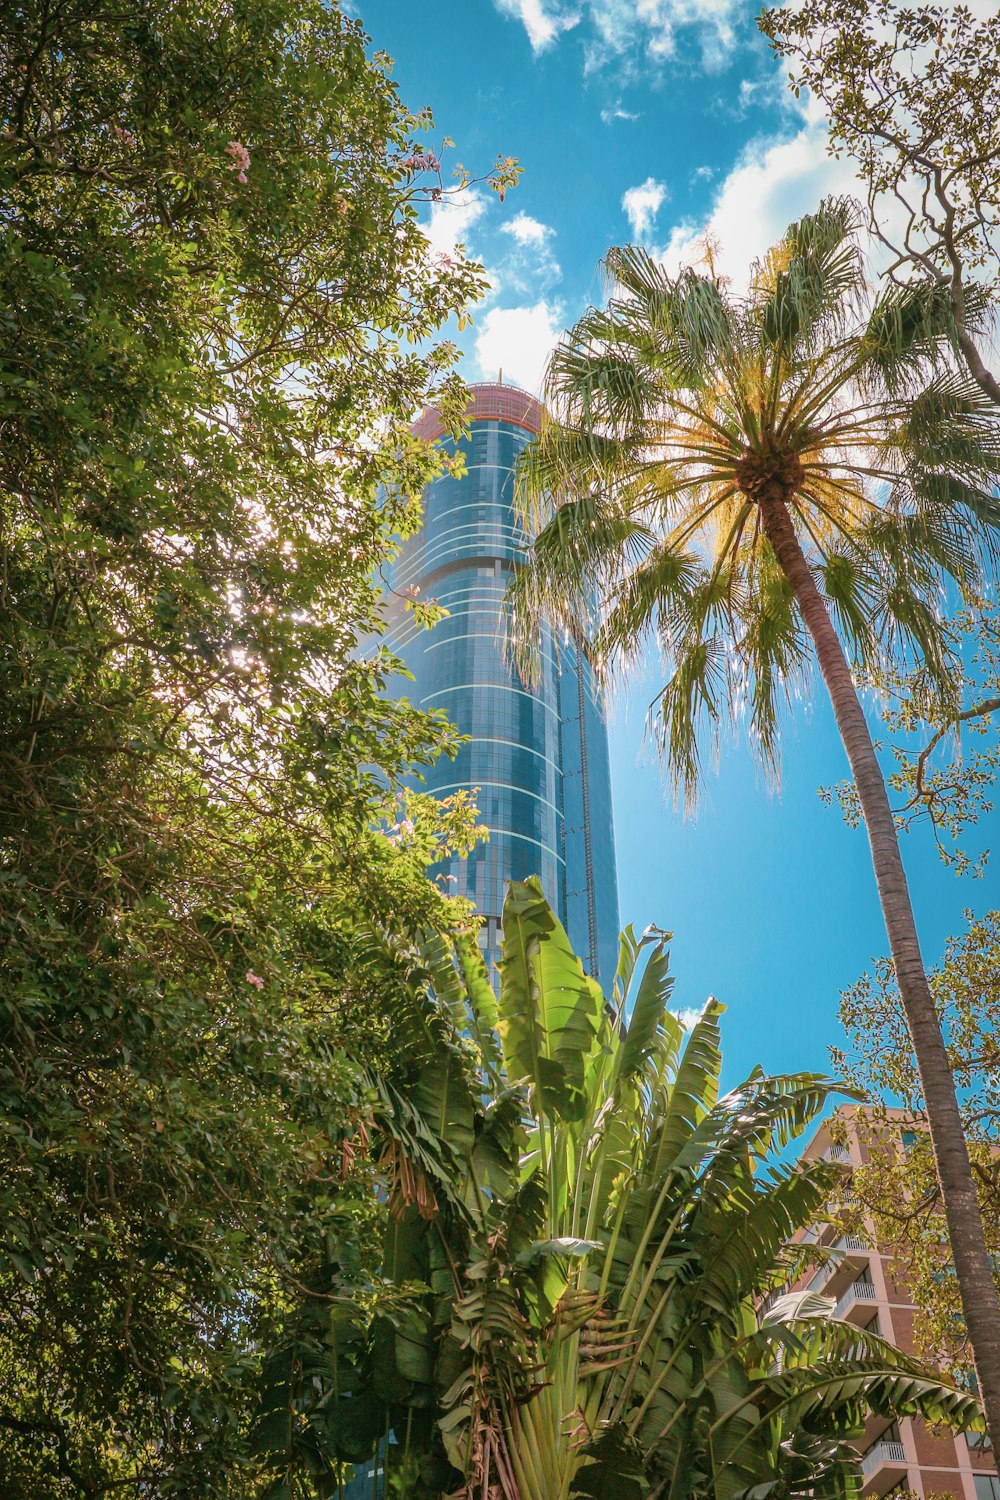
(628, 953)
(550, 1010)
(444, 1099)
(568, 1247)
(482, 1002)
(798, 1305)
(650, 1022)
(577, 1316)
(611, 1468)
(692, 1093)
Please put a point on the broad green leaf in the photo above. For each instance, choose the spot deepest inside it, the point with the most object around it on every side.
(550, 1011)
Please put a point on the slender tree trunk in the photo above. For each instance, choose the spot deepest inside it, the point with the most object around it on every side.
(983, 377)
(961, 1204)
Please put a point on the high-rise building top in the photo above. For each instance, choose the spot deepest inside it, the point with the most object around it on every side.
(538, 752)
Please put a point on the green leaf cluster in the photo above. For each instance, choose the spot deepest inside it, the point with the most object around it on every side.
(896, 1187)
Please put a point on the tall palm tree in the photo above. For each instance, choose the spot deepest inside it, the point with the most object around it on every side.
(751, 482)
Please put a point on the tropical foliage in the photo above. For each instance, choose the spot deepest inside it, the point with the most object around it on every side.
(748, 483)
(680, 409)
(581, 1232)
(218, 315)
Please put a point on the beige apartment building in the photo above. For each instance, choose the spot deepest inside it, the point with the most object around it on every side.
(904, 1456)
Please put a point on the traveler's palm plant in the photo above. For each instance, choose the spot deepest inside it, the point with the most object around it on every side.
(578, 1248)
(743, 484)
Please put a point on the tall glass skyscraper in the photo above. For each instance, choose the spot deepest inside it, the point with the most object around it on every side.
(538, 754)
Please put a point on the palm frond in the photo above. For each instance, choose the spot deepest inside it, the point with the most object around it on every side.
(807, 287)
(679, 407)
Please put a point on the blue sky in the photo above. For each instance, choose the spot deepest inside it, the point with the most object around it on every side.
(650, 121)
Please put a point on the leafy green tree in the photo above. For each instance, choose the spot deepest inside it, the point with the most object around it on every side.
(947, 751)
(748, 483)
(897, 1187)
(218, 316)
(912, 93)
(577, 1251)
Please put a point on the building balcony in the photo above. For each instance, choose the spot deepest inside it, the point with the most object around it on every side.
(883, 1466)
(857, 1303)
(836, 1153)
(851, 1259)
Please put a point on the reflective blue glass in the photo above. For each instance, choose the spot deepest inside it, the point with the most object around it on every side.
(538, 754)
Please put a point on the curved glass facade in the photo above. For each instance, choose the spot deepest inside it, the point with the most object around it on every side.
(538, 755)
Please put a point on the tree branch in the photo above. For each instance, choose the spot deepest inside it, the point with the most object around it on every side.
(978, 711)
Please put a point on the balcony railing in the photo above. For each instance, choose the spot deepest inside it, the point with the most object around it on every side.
(886, 1451)
(858, 1291)
(836, 1153)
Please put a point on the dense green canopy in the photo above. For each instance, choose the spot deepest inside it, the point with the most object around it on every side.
(216, 320)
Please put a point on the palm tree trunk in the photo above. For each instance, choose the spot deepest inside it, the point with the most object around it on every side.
(958, 1193)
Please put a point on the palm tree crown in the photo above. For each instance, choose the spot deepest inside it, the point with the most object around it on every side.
(686, 421)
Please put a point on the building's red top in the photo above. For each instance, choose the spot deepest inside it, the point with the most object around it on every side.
(505, 403)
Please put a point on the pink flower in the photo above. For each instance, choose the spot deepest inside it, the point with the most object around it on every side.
(255, 980)
(406, 828)
(240, 163)
(421, 161)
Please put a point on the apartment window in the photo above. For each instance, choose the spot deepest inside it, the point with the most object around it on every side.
(987, 1487)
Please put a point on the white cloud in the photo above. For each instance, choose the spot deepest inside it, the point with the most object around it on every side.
(641, 205)
(542, 20)
(626, 30)
(518, 341)
(529, 232)
(688, 1016)
(609, 116)
(651, 26)
(772, 184)
(451, 219)
(530, 268)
